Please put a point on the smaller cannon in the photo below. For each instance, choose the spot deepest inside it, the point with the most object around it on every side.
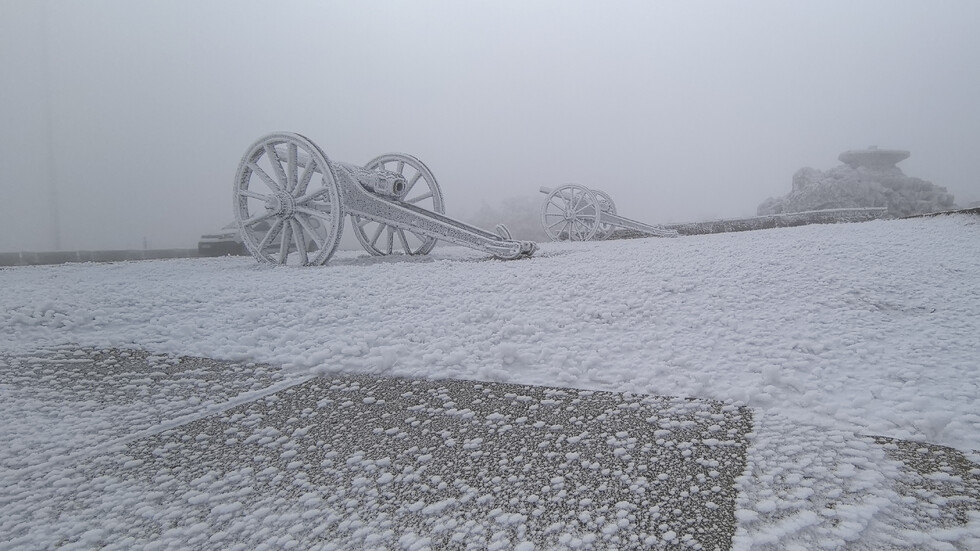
(290, 201)
(577, 213)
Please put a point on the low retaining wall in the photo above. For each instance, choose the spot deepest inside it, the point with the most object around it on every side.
(971, 210)
(829, 216)
(62, 257)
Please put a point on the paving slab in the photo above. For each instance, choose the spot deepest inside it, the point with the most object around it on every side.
(65, 400)
(115, 449)
(352, 462)
(382, 462)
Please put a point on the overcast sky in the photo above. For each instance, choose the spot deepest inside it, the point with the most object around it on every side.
(129, 117)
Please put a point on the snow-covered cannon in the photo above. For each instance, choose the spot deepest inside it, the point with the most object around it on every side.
(577, 213)
(290, 201)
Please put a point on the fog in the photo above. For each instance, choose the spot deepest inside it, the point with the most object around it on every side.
(122, 122)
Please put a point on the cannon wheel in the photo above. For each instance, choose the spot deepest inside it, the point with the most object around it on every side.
(571, 212)
(382, 239)
(287, 201)
(607, 205)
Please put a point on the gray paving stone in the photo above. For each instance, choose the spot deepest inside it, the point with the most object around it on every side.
(353, 462)
(381, 462)
(65, 400)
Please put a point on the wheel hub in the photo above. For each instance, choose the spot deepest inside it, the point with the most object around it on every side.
(281, 204)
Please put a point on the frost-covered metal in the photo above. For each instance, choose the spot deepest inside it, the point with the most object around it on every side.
(290, 201)
(577, 213)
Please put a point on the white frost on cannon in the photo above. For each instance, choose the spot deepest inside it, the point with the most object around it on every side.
(576, 213)
(290, 201)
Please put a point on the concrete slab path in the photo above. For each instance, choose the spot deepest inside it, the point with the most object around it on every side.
(124, 450)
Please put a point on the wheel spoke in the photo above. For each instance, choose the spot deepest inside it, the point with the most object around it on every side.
(578, 199)
(287, 236)
(276, 164)
(401, 167)
(311, 196)
(361, 222)
(566, 197)
(253, 194)
(323, 214)
(404, 240)
(562, 221)
(309, 231)
(586, 228)
(304, 181)
(256, 169)
(419, 198)
(377, 234)
(412, 182)
(391, 239)
(291, 167)
(270, 235)
(300, 241)
(256, 219)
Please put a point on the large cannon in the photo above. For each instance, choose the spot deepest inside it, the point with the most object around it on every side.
(577, 213)
(290, 201)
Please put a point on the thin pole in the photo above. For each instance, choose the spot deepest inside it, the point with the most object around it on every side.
(52, 164)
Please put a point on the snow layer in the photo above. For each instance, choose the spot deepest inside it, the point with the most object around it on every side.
(808, 488)
(60, 403)
(870, 327)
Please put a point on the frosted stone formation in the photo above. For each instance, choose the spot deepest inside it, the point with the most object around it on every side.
(868, 178)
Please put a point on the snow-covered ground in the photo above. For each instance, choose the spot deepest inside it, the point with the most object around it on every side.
(823, 331)
(873, 327)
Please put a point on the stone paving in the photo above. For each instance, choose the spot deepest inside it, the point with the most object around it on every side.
(464, 464)
(123, 450)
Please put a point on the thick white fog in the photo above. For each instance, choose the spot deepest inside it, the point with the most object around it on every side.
(122, 122)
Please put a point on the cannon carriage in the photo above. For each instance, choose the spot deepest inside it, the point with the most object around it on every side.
(290, 202)
(576, 213)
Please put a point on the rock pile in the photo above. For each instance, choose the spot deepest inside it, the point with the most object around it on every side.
(868, 178)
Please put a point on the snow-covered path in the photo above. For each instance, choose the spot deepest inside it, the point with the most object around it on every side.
(870, 327)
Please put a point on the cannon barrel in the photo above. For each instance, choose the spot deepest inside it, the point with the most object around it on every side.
(382, 182)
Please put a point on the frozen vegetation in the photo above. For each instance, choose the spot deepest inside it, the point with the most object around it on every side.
(866, 178)
(822, 357)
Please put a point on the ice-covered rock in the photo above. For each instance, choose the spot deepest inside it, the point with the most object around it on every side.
(868, 178)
